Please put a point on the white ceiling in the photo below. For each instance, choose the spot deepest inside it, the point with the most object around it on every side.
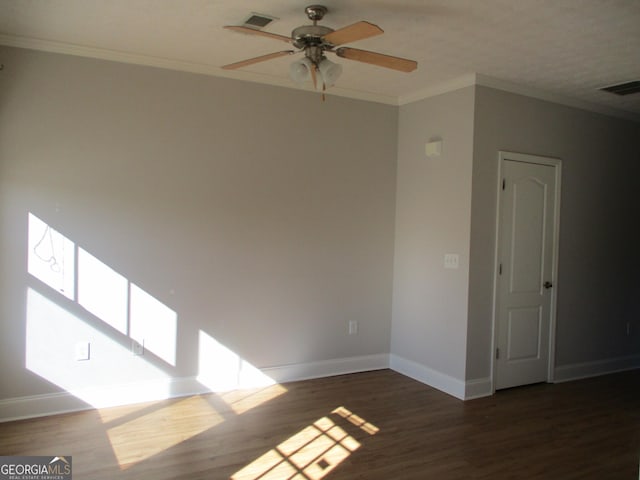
(560, 48)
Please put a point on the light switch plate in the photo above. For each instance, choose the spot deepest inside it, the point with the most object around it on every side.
(353, 327)
(451, 260)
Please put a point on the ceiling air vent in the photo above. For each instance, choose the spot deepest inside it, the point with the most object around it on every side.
(626, 88)
(258, 21)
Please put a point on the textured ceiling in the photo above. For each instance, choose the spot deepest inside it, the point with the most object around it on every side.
(565, 48)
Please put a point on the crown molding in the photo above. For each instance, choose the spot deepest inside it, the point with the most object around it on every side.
(190, 67)
(434, 90)
(504, 85)
(462, 81)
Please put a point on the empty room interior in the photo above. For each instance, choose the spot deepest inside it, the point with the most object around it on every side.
(400, 242)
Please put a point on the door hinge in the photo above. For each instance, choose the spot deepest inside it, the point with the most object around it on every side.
(504, 183)
(497, 353)
(500, 269)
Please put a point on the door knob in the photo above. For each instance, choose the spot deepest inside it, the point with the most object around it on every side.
(547, 284)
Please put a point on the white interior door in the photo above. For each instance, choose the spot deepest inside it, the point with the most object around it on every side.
(526, 265)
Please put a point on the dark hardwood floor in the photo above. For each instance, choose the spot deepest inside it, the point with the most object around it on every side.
(376, 425)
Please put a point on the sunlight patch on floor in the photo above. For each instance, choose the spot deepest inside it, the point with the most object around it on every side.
(356, 420)
(110, 414)
(149, 434)
(310, 454)
(242, 401)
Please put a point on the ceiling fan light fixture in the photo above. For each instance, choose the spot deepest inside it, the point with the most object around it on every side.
(315, 41)
(300, 70)
(329, 71)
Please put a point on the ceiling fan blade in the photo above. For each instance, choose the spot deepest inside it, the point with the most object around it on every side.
(252, 31)
(262, 58)
(387, 61)
(351, 33)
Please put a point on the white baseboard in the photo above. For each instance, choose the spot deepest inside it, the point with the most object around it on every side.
(577, 371)
(19, 408)
(478, 388)
(98, 397)
(327, 368)
(428, 376)
(155, 390)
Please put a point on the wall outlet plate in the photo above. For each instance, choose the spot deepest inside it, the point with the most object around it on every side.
(82, 351)
(137, 348)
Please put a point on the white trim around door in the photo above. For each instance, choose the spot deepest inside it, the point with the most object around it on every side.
(503, 157)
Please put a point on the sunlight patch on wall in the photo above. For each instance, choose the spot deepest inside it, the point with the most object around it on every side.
(310, 454)
(107, 312)
(102, 291)
(164, 427)
(128, 313)
(153, 323)
(221, 370)
(51, 257)
(112, 375)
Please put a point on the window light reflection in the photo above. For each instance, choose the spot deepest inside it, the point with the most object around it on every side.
(310, 454)
(51, 334)
(51, 257)
(102, 291)
(132, 441)
(221, 370)
(242, 401)
(153, 324)
(106, 294)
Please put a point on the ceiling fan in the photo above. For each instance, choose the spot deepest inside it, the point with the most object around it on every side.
(315, 41)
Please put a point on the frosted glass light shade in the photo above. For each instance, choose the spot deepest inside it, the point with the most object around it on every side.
(329, 71)
(300, 70)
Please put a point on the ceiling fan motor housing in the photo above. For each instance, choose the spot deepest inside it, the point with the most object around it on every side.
(315, 40)
(310, 35)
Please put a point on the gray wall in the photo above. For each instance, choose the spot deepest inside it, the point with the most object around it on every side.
(433, 211)
(266, 219)
(259, 215)
(599, 259)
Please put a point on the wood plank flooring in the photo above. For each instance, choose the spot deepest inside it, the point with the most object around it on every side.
(375, 425)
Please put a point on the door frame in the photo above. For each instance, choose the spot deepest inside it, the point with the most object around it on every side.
(556, 163)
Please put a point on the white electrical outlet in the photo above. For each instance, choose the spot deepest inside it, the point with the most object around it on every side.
(137, 348)
(82, 351)
(451, 260)
(353, 327)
